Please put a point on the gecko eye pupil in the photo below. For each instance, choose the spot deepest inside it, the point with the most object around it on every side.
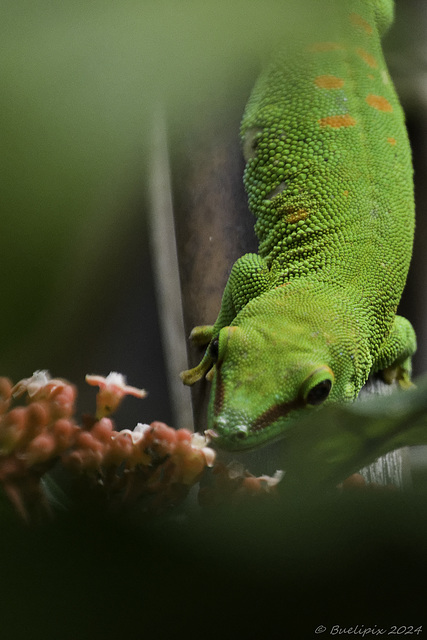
(214, 349)
(319, 393)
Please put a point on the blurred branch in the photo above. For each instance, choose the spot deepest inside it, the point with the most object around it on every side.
(165, 261)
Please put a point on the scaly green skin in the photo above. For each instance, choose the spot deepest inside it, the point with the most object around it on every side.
(329, 180)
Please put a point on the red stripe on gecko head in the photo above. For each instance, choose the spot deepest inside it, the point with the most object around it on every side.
(219, 392)
(274, 413)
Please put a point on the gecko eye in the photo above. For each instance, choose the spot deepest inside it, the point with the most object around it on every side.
(318, 385)
(214, 349)
(319, 393)
(218, 346)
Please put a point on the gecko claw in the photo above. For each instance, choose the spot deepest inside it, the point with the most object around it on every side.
(190, 376)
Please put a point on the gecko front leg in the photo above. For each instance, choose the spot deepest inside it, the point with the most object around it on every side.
(249, 278)
(394, 359)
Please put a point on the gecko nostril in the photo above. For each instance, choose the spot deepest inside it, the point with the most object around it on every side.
(240, 432)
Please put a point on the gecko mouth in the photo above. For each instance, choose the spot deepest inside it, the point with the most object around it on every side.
(241, 435)
(269, 416)
(241, 432)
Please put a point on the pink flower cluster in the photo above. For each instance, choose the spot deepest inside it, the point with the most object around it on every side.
(150, 460)
(32, 437)
(152, 464)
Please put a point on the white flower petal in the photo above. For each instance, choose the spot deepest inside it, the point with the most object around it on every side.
(139, 432)
(116, 379)
(272, 481)
(210, 456)
(38, 380)
(136, 434)
(199, 441)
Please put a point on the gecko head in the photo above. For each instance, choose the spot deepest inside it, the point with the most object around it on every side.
(270, 368)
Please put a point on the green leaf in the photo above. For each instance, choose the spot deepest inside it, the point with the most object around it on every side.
(336, 441)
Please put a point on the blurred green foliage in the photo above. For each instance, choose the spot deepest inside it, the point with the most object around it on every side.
(323, 449)
(80, 82)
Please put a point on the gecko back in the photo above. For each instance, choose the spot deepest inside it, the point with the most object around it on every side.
(329, 180)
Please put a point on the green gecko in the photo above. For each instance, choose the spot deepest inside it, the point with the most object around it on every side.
(329, 180)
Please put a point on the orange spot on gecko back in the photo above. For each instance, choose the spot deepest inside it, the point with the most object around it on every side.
(329, 82)
(301, 214)
(392, 141)
(337, 121)
(358, 21)
(378, 102)
(370, 60)
(345, 193)
(325, 46)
